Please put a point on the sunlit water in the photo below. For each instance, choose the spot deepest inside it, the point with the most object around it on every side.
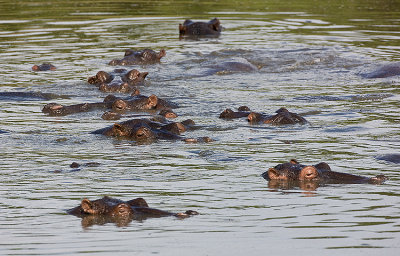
(309, 62)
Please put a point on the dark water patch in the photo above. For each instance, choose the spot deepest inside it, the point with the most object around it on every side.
(27, 96)
(388, 70)
(393, 158)
(365, 97)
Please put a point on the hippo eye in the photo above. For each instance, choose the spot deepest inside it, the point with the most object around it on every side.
(143, 133)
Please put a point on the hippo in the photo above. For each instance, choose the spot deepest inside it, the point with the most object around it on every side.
(145, 130)
(282, 117)
(22, 96)
(140, 102)
(142, 57)
(200, 29)
(135, 103)
(44, 67)
(76, 167)
(168, 113)
(112, 210)
(120, 80)
(55, 109)
(111, 115)
(142, 130)
(388, 70)
(321, 172)
(243, 111)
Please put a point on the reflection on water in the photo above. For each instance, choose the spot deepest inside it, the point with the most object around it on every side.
(309, 58)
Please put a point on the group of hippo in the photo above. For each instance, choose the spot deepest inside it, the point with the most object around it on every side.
(121, 80)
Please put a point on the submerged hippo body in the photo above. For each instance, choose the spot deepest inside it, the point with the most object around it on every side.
(55, 109)
(234, 65)
(392, 69)
(120, 80)
(282, 117)
(198, 29)
(22, 96)
(393, 158)
(44, 67)
(293, 171)
(109, 209)
(141, 57)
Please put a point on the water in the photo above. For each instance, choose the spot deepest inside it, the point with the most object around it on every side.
(310, 56)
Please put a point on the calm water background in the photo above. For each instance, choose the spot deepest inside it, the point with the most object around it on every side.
(310, 55)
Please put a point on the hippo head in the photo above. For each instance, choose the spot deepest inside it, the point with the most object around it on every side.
(100, 77)
(227, 113)
(176, 128)
(103, 77)
(109, 115)
(284, 117)
(168, 113)
(99, 207)
(120, 105)
(44, 67)
(121, 130)
(142, 133)
(254, 117)
(277, 174)
(244, 108)
(110, 98)
(54, 109)
(132, 75)
(378, 179)
(285, 171)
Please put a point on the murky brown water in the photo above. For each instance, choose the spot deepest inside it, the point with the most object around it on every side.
(310, 56)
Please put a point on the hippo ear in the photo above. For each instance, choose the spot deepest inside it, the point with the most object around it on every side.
(87, 206)
(143, 75)
(152, 101)
(162, 53)
(215, 26)
(182, 29)
(272, 174)
(294, 161)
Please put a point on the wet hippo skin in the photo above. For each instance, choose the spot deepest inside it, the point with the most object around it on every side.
(44, 67)
(197, 29)
(282, 117)
(120, 80)
(141, 57)
(320, 172)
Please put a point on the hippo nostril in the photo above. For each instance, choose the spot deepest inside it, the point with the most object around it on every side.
(309, 173)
